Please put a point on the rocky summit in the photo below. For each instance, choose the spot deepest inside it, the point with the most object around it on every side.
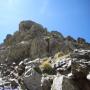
(35, 59)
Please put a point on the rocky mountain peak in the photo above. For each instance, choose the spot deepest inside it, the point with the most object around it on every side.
(25, 25)
(35, 59)
(38, 45)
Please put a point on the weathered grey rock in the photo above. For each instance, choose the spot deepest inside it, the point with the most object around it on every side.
(81, 54)
(18, 52)
(57, 35)
(38, 48)
(80, 64)
(81, 40)
(32, 64)
(69, 38)
(21, 68)
(63, 65)
(32, 80)
(63, 83)
(25, 25)
(54, 46)
(8, 40)
(79, 70)
(14, 84)
(37, 30)
(34, 41)
(45, 83)
(3, 54)
(67, 46)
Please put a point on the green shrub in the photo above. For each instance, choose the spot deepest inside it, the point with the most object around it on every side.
(46, 67)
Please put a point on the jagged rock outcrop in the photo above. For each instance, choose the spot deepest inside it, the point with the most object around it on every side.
(32, 80)
(70, 71)
(69, 38)
(28, 60)
(18, 52)
(76, 67)
(80, 63)
(41, 43)
(54, 46)
(45, 83)
(38, 48)
(25, 25)
(8, 40)
(81, 40)
(57, 35)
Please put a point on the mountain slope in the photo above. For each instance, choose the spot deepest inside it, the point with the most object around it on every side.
(33, 40)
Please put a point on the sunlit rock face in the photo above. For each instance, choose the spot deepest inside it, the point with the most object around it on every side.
(32, 80)
(38, 48)
(35, 59)
(25, 25)
(39, 42)
(57, 35)
(69, 71)
(81, 40)
(81, 63)
(63, 83)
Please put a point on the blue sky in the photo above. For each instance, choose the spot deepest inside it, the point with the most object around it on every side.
(70, 17)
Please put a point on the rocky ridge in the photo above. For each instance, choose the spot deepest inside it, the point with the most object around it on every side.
(35, 59)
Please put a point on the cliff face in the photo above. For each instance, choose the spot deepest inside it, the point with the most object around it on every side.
(33, 40)
(35, 59)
